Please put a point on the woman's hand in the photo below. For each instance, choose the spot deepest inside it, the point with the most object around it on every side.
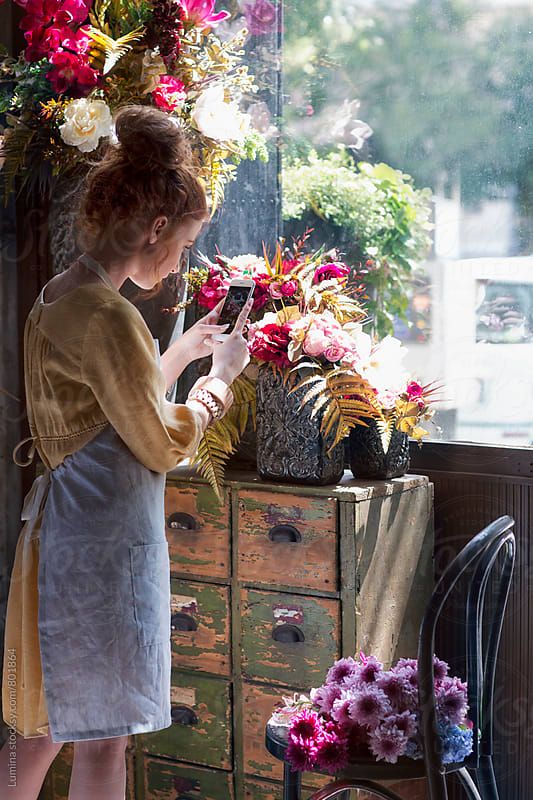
(197, 341)
(230, 353)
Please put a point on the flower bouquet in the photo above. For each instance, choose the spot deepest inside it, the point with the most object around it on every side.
(86, 58)
(303, 312)
(365, 712)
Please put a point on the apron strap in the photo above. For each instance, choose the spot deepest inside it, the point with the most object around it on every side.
(31, 451)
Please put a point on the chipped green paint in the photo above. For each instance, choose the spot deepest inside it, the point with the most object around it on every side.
(264, 790)
(204, 551)
(164, 780)
(300, 663)
(207, 742)
(208, 647)
(208, 504)
(308, 563)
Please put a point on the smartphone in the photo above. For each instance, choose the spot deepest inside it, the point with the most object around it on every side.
(239, 292)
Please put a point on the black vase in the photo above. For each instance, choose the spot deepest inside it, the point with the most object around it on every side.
(290, 446)
(368, 459)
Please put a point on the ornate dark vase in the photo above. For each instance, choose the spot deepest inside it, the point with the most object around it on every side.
(290, 446)
(368, 459)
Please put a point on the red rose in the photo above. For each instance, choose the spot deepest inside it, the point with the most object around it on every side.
(271, 343)
(335, 270)
(289, 288)
(212, 291)
(261, 293)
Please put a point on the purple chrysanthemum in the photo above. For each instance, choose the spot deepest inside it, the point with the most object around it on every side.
(397, 688)
(341, 708)
(341, 669)
(369, 705)
(332, 753)
(452, 700)
(440, 669)
(387, 742)
(370, 669)
(325, 696)
(306, 725)
(406, 663)
(301, 754)
(406, 722)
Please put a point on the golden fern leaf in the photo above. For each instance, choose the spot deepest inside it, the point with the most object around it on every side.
(15, 145)
(106, 51)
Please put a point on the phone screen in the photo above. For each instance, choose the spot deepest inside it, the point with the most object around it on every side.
(234, 303)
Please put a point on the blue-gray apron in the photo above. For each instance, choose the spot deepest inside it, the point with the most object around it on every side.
(104, 593)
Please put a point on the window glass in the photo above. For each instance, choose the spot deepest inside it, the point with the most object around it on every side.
(442, 91)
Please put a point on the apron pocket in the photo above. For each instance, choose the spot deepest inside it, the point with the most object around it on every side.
(150, 574)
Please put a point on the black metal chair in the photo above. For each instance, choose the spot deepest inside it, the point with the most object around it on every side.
(489, 554)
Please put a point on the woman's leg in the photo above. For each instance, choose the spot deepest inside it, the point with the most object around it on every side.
(99, 769)
(24, 764)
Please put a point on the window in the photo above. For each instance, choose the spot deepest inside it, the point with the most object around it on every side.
(440, 90)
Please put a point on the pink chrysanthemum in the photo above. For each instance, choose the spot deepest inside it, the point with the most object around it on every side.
(341, 708)
(406, 722)
(387, 743)
(440, 669)
(332, 753)
(341, 669)
(306, 725)
(369, 705)
(397, 689)
(370, 669)
(452, 700)
(301, 754)
(324, 697)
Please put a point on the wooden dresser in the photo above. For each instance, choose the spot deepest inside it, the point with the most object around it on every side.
(268, 589)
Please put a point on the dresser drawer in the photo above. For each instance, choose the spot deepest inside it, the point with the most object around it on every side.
(288, 639)
(197, 530)
(258, 704)
(264, 790)
(287, 540)
(200, 623)
(201, 729)
(164, 780)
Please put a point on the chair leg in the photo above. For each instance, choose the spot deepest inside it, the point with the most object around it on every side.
(341, 790)
(486, 779)
(468, 784)
(292, 783)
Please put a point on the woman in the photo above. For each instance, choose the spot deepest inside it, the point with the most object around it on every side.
(90, 661)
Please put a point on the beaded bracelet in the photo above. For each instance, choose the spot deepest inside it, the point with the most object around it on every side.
(213, 405)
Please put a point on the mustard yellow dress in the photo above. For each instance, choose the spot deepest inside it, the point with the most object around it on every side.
(88, 361)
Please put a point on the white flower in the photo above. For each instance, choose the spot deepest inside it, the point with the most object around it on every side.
(382, 366)
(217, 119)
(247, 264)
(152, 67)
(86, 121)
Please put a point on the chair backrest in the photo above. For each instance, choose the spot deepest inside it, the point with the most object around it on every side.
(488, 558)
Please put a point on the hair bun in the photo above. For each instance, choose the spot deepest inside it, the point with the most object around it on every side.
(151, 140)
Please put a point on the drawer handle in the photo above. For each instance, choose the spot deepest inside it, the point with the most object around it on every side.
(284, 533)
(288, 634)
(181, 521)
(183, 715)
(183, 622)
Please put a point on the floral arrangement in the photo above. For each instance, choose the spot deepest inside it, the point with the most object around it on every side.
(385, 219)
(364, 711)
(86, 58)
(308, 313)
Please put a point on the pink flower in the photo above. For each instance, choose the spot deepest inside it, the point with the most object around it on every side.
(341, 708)
(334, 353)
(414, 391)
(342, 669)
(301, 754)
(71, 72)
(41, 41)
(325, 696)
(169, 93)
(288, 264)
(289, 288)
(200, 13)
(73, 11)
(452, 700)
(332, 753)
(261, 292)
(261, 17)
(334, 270)
(315, 342)
(369, 705)
(213, 290)
(275, 290)
(387, 742)
(306, 725)
(370, 668)
(271, 343)
(397, 689)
